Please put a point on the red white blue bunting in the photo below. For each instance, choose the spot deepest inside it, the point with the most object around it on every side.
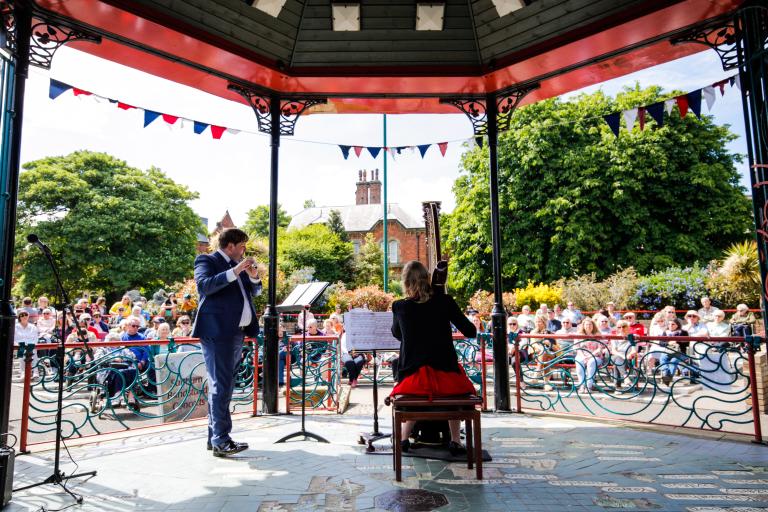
(58, 88)
(685, 102)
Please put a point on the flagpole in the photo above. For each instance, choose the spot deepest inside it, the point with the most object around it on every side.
(385, 236)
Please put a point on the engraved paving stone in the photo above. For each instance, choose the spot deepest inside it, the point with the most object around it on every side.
(408, 500)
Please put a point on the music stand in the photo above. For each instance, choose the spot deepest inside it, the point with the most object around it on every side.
(299, 300)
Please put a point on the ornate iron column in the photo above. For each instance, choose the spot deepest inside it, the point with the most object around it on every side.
(276, 117)
(27, 44)
(741, 41)
(488, 116)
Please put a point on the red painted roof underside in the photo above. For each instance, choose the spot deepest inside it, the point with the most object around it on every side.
(526, 68)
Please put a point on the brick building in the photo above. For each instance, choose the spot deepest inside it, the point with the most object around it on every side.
(204, 244)
(406, 234)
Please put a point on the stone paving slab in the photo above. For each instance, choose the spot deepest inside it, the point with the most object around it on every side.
(540, 465)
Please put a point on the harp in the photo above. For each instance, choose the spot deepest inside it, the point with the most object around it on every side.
(435, 262)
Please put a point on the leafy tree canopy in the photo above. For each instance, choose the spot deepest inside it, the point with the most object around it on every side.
(336, 225)
(257, 223)
(369, 263)
(576, 199)
(111, 227)
(318, 247)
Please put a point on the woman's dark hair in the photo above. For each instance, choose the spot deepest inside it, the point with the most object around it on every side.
(232, 236)
(677, 322)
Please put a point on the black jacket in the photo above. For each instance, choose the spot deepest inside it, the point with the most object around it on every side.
(424, 331)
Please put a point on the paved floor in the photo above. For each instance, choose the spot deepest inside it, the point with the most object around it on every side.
(539, 464)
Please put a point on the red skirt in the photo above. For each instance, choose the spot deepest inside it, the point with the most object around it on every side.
(427, 381)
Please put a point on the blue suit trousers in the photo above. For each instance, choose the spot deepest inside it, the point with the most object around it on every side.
(222, 356)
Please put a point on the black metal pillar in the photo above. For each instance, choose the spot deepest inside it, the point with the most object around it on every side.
(751, 29)
(276, 116)
(489, 116)
(498, 316)
(741, 41)
(10, 183)
(271, 316)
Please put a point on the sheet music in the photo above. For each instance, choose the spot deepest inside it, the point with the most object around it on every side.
(369, 330)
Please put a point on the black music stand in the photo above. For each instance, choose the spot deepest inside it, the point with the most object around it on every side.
(376, 435)
(299, 300)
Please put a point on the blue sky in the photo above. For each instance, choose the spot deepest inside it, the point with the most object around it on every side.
(233, 173)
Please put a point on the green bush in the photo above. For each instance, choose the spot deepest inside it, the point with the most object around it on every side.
(679, 287)
(590, 294)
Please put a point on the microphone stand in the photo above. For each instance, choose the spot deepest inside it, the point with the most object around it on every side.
(58, 477)
(303, 432)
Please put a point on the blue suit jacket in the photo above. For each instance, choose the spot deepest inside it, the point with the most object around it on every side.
(221, 302)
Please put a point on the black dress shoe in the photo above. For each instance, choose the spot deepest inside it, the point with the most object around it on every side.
(456, 448)
(229, 448)
(209, 447)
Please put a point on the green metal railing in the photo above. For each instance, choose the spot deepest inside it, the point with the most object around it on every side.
(114, 386)
(699, 382)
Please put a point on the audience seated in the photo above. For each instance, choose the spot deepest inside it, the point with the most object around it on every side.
(743, 321)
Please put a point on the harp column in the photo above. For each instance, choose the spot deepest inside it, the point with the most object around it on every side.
(276, 116)
(489, 115)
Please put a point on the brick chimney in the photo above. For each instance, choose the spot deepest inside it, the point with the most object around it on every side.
(361, 193)
(374, 196)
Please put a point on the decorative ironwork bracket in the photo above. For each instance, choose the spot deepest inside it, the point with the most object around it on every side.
(476, 111)
(719, 36)
(290, 108)
(47, 37)
(722, 34)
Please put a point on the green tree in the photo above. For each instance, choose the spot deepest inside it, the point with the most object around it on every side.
(257, 223)
(309, 203)
(336, 225)
(369, 263)
(111, 227)
(576, 199)
(317, 247)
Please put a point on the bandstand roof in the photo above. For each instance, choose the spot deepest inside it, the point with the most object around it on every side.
(388, 66)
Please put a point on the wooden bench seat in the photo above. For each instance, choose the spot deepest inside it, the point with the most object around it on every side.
(462, 408)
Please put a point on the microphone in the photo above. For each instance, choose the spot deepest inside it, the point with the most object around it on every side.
(34, 239)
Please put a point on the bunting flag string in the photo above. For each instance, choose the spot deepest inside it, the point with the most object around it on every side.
(685, 102)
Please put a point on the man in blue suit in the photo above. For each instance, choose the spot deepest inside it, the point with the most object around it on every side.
(226, 283)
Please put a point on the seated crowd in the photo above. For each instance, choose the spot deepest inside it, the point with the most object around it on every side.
(662, 357)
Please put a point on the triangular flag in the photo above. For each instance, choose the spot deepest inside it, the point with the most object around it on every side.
(423, 149)
(233, 131)
(721, 85)
(614, 122)
(345, 150)
(374, 151)
(170, 119)
(80, 92)
(641, 117)
(358, 150)
(124, 106)
(682, 105)
(150, 116)
(100, 99)
(710, 96)
(737, 81)
(694, 101)
(57, 88)
(217, 131)
(471, 143)
(656, 111)
(199, 127)
(443, 147)
(629, 118)
(669, 105)
(399, 149)
(479, 141)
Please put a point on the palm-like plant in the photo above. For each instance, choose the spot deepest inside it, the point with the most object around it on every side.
(740, 264)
